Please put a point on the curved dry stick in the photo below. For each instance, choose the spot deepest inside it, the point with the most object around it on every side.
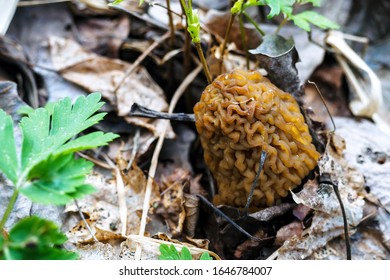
(152, 170)
(138, 61)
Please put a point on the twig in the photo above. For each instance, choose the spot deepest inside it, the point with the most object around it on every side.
(85, 221)
(325, 179)
(94, 160)
(138, 61)
(135, 147)
(141, 111)
(228, 219)
(326, 106)
(225, 39)
(153, 166)
(249, 200)
(120, 187)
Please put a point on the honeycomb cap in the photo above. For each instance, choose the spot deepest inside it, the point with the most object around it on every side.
(238, 116)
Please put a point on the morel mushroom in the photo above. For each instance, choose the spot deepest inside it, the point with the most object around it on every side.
(241, 114)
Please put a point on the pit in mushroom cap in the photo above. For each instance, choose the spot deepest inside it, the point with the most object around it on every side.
(239, 115)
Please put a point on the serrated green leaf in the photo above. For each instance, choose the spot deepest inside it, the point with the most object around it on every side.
(168, 252)
(89, 141)
(316, 3)
(58, 180)
(185, 254)
(279, 6)
(205, 257)
(9, 164)
(34, 238)
(304, 19)
(45, 132)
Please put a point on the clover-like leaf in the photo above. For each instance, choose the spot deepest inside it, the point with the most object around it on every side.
(304, 19)
(9, 164)
(34, 238)
(45, 131)
(58, 180)
(168, 252)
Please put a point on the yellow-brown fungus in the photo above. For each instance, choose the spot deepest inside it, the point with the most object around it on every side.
(239, 115)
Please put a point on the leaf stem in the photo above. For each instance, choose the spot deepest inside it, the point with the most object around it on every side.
(281, 25)
(227, 34)
(9, 209)
(204, 63)
(254, 23)
(243, 39)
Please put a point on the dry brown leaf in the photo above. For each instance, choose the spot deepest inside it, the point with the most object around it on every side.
(103, 35)
(97, 73)
(171, 205)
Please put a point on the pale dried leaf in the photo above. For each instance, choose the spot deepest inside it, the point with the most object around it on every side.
(327, 221)
(97, 73)
(368, 150)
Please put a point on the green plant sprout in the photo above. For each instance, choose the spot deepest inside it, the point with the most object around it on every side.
(171, 253)
(44, 168)
(285, 7)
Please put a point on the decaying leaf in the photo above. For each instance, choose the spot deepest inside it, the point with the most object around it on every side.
(278, 56)
(327, 222)
(103, 35)
(175, 207)
(368, 150)
(286, 232)
(97, 73)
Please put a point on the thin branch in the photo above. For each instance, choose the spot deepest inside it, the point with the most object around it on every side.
(325, 179)
(228, 219)
(135, 147)
(326, 106)
(261, 165)
(225, 39)
(85, 221)
(138, 61)
(120, 188)
(141, 111)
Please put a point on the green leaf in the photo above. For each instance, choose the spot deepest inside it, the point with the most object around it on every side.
(9, 164)
(279, 6)
(88, 141)
(316, 3)
(205, 257)
(34, 238)
(168, 252)
(185, 254)
(58, 180)
(304, 19)
(45, 132)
